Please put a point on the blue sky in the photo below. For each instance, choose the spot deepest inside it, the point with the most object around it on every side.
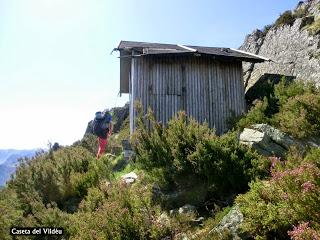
(56, 70)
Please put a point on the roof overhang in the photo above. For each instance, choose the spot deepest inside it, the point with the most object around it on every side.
(144, 49)
(129, 49)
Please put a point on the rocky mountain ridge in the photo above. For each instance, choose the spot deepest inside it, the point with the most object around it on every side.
(292, 44)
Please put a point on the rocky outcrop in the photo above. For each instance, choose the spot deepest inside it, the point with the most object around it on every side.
(293, 49)
(268, 140)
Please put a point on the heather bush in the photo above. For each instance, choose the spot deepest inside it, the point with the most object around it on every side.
(58, 176)
(92, 200)
(313, 156)
(291, 197)
(115, 141)
(89, 142)
(293, 107)
(97, 170)
(257, 114)
(300, 116)
(10, 212)
(168, 147)
(46, 215)
(185, 147)
(299, 105)
(304, 232)
(285, 90)
(226, 165)
(183, 134)
(126, 213)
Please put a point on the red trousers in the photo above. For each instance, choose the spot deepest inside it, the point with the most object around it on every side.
(102, 146)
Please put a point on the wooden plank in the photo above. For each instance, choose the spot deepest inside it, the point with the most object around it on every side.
(206, 91)
(221, 98)
(241, 91)
(216, 97)
(183, 105)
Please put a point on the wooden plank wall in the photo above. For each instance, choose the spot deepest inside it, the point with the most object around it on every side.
(207, 89)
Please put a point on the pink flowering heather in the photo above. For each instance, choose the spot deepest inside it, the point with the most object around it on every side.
(307, 186)
(285, 196)
(274, 161)
(296, 172)
(303, 232)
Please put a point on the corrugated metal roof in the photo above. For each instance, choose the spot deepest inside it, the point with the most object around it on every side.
(146, 48)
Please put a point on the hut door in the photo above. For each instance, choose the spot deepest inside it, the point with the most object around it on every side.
(174, 89)
(167, 90)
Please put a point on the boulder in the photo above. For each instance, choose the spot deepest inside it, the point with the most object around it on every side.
(186, 209)
(268, 140)
(130, 177)
(198, 221)
(280, 138)
(230, 222)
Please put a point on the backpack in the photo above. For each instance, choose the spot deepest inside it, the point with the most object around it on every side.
(100, 124)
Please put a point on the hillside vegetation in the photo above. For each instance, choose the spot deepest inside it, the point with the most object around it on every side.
(183, 163)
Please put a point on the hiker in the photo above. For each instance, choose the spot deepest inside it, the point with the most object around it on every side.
(102, 127)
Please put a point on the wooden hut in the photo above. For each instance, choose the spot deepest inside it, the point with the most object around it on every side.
(205, 82)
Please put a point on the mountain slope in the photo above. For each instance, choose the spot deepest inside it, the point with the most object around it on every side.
(9, 160)
(292, 43)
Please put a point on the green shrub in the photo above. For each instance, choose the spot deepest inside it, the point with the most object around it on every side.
(257, 114)
(186, 147)
(93, 200)
(183, 134)
(115, 141)
(300, 116)
(89, 142)
(272, 208)
(58, 176)
(293, 107)
(285, 90)
(266, 29)
(97, 170)
(299, 106)
(286, 18)
(10, 212)
(314, 28)
(313, 156)
(126, 213)
(300, 13)
(226, 165)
